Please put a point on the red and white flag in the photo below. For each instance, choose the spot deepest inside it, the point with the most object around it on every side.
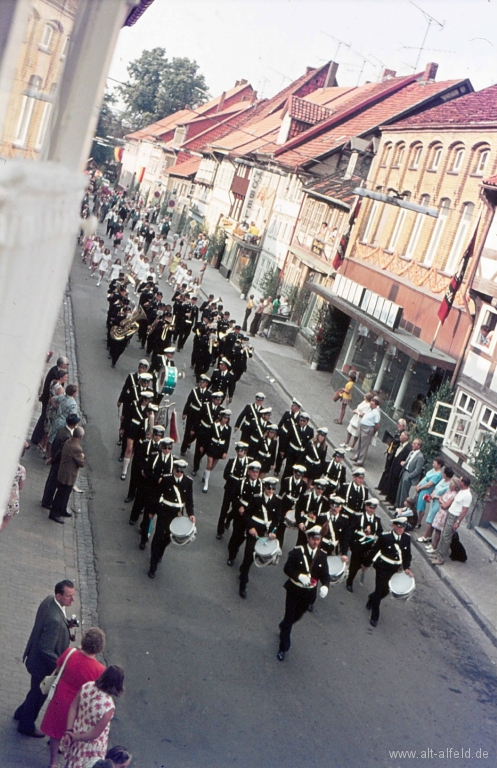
(456, 280)
(344, 240)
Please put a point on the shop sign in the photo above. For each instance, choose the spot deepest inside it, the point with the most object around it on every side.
(383, 310)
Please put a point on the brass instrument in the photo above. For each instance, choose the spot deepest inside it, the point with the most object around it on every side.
(129, 326)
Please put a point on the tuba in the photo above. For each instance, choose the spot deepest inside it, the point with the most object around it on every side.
(129, 326)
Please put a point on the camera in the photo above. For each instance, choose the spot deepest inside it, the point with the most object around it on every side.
(73, 621)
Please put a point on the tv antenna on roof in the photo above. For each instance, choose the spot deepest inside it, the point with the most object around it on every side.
(340, 44)
(430, 21)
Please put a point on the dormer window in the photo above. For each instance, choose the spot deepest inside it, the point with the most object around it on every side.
(351, 166)
(179, 135)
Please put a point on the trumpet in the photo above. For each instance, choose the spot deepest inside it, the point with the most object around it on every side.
(129, 326)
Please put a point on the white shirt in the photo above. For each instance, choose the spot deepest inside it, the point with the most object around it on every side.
(371, 418)
(462, 499)
(62, 608)
(411, 456)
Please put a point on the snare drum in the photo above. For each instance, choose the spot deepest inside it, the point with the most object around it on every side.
(266, 552)
(402, 586)
(182, 531)
(337, 569)
(289, 520)
(170, 380)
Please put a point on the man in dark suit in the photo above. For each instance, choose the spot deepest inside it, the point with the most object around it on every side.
(49, 639)
(411, 472)
(305, 567)
(63, 434)
(72, 458)
(39, 430)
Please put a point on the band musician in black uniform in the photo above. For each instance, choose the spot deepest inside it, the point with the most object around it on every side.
(355, 493)
(391, 553)
(217, 444)
(291, 490)
(209, 413)
(291, 415)
(191, 411)
(365, 529)
(175, 500)
(337, 540)
(234, 471)
(158, 472)
(305, 567)
(263, 517)
(299, 434)
(336, 472)
(187, 319)
(312, 509)
(248, 415)
(266, 449)
(143, 450)
(250, 487)
(223, 380)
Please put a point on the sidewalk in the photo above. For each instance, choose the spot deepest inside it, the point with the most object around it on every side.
(34, 555)
(473, 582)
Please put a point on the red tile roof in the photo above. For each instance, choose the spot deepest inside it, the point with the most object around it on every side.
(186, 169)
(334, 186)
(473, 109)
(359, 113)
(491, 181)
(306, 111)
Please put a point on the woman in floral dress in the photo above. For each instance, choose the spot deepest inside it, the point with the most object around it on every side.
(12, 507)
(88, 721)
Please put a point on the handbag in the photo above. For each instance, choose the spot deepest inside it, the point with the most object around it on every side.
(337, 395)
(49, 682)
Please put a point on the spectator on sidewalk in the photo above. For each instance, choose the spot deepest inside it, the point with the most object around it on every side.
(355, 422)
(425, 486)
(12, 507)
(39, 430)
(441, 516)
(66, 405)
(412, 469)
(391, 452)
(266, 315)
(455, 515)
(49, 638)
(256, 320)
(346, 395)
(63, 434)
(370, 424)
(72, 458)
(439, 490)
(248, 311)
(401, 453)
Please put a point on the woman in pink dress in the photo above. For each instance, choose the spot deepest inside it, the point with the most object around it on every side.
(81, 667)
(88, 721)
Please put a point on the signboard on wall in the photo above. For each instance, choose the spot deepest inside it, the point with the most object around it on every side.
(383, 310)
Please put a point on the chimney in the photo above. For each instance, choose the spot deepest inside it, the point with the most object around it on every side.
(237, 84)
(253, 97)
(243, 82)
(387, 74)
(331, 79)
(221, 102)
(309, 69)
(430, 72)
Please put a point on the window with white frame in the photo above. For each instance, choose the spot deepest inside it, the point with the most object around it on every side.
(42, 130)
(416, 156)
(306, 216)
(458, 159)
(386, 155)
(484, 337)
(436, 156)
(46, 38)
(399, 223)
(481, 161)
(373, 213)
(351, 166)
(437, 233)
(399, 155)
(456, 251)
(416, 230)
(65, 48)
(24, 120)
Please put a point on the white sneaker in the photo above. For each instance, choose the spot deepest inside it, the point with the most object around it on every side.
(348, 448)
(430, 550)
(343, 445)
(424, 540)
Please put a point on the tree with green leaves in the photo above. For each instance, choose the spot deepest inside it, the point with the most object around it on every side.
(109, 125)
(483, 459)
(158, 87)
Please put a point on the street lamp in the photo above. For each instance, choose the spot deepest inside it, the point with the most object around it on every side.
(397, 200)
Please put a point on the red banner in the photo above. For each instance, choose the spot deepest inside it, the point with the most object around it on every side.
(456, 280)
(344, 240)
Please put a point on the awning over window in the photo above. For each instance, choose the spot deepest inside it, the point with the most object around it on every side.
(415, 348)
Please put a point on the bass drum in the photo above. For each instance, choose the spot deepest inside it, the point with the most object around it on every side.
(289, 520)
(337, 569)
(402, 586)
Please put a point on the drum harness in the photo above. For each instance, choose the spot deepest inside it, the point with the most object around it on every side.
(264, 521)
(333, 465)
(386, 559)
(297, 437)
(242, 464)
(317, 459)
(249, 420)
(290, 495)
(362, 493)
(199, 401)
(256, 484)
(363, 537)
(178, 504)
(208, 408)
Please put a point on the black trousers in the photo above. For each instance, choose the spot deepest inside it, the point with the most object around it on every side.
(188, 438)
(116, 348)
(140, 502)
(384, 573)
(183, 336)
(225, 515)
(248, 560)
(61, 498)
(161, 540)
(356, 560)
(30, 708)
(39, 429)
(238, 535)
(297, 602)
(135, 475)
(50, 486)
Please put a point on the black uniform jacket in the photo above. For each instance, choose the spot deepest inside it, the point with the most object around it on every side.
(234, 471)
(291, 490)
(388, 552)
(264, 514)
(363, 529)
(177, 496)
(300, 560)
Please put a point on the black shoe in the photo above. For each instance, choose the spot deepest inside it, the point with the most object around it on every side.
(350, 588)
(151, 574)
(131, 522)
(373, 622)
(242, 593)
(280, 655)
(194, 472)
(119, 442)
(36, 733)
(310, 608)
(56, 520)
(219, 536)
(46, 506)
(182, 453)
(369, 606)
(120, 458)
(66, 514)
(128, 499)
(229, 562)
(142, 544)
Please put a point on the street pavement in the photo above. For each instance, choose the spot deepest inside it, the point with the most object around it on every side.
(203, 686)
